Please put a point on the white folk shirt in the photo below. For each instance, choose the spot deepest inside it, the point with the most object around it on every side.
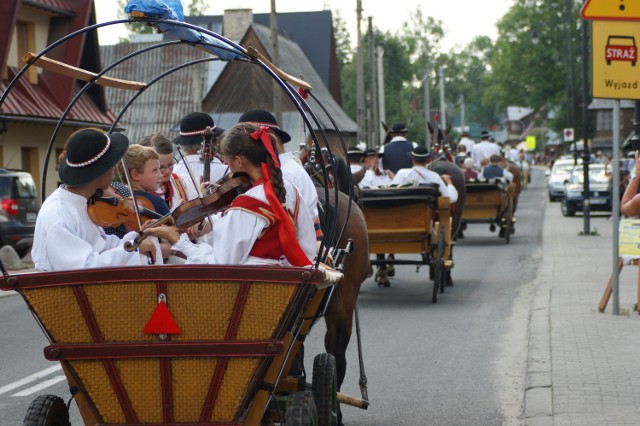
(218, 171)
(65, 238)
(298, 176)
(234, 234)
(468, 143)
(176, 199)
(418, 175)
(484, 149)
(372, 180)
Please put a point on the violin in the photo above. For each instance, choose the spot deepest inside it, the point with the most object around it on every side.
(116, 210)
(195, 211)
(206, 154)
(226, 190)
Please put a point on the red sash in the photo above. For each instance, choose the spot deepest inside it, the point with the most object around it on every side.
(267, 246)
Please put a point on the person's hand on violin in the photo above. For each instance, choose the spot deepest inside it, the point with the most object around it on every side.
(390, 174)
(208, 187)
(168, 233)
(147, 248)
(196, 231)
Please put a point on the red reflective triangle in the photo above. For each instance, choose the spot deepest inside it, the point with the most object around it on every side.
(161, 322)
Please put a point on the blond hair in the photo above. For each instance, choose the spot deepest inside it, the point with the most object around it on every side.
(135, 158)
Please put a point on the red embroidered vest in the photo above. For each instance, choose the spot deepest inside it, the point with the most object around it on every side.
(267, 246)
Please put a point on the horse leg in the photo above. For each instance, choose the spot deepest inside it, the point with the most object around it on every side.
(391, 270)
(381, 276)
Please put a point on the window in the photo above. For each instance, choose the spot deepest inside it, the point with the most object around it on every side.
(604, 121)
(26, 42)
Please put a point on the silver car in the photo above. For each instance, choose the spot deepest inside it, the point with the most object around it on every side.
(560, 172)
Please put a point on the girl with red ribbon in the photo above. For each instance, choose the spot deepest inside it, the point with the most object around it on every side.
(264, 226)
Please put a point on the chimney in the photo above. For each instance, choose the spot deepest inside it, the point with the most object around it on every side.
(236, 22)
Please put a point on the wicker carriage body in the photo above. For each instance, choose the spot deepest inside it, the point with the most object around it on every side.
(491, 202)
(406, 219)
(410, 220)
(237, 328)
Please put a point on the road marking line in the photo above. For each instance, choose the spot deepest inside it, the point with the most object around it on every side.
(40, 386)
(29, 379)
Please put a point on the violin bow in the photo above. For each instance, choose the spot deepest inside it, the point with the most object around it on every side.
(190, 171)
(193, 179)
(133, 195)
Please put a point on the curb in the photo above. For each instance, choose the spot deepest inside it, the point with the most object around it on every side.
(538, 394)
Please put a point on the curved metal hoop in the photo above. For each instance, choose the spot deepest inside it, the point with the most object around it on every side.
(306, 112)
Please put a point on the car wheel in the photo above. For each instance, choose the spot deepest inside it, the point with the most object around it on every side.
(566, 210)
(552, 198)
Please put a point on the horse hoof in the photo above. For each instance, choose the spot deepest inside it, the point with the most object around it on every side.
(391, 271)
(382, 280)
(384, 284)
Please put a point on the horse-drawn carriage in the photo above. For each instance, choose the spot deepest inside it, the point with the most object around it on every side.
(191, 344)
(492, 202)
(411, 220)
(181, 344)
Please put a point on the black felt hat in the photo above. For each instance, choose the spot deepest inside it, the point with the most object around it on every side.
(485, 134)
(370, 152)
(193, 126)
(354, 151)
(260, 117)
(420, 153)
(90, 153)
(399, 128)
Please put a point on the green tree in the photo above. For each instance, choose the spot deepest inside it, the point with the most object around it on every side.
(536, 75)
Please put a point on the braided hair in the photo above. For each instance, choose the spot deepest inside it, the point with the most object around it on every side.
(238, 141)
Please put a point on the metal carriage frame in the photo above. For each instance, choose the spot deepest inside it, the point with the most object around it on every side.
(268, 392)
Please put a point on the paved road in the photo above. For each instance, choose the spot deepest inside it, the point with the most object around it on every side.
(461, 361)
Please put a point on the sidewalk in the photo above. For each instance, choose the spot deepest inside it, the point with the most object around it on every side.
(583, 365)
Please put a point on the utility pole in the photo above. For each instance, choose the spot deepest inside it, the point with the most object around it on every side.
(443, 107)
(427, 109)
(360, 101)
(373, 110)
(571, 58)
(462, 111)
(382, 114)
(273, 18)
(585, 125)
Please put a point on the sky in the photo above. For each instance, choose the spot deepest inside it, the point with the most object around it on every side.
(463, 19)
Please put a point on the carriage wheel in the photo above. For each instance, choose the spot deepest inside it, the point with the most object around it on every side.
(47, 410)
(324, 383)
(301, 410)
(438, 269)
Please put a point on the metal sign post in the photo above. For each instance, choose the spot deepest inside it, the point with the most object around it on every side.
(614, 44)
(616, 205)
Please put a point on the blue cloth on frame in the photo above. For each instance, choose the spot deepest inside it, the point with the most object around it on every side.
(172, 10)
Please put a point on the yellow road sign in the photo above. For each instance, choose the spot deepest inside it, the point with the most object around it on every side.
(531, 143)
(616, 73)
(611, 10)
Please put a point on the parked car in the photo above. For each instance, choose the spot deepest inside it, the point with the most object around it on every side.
(19, 209)
(600, 194)
(560, 172)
